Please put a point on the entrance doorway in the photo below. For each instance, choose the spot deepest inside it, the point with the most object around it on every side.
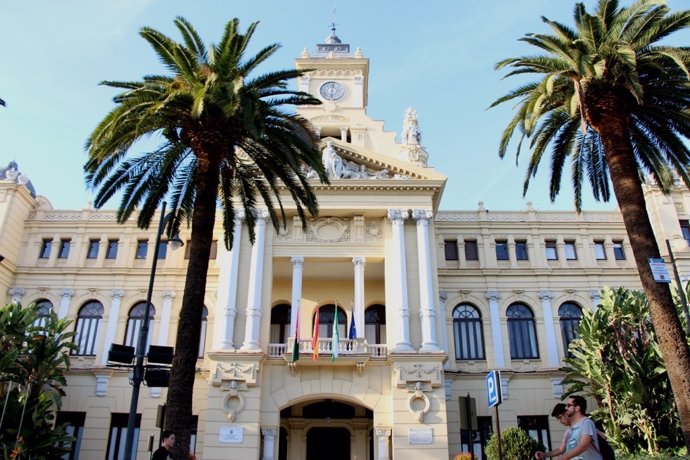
(326, 442)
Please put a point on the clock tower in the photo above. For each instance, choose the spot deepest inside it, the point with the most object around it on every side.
(338, 77)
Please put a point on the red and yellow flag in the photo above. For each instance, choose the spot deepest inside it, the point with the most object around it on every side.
(315, 336)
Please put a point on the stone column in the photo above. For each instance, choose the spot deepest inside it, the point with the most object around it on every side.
(256, 271)
(427, 303)
(269, 435)
(113, 317)
(65, 299)
(166, 313)
(595, 295)
(358, 312)
(227, 288)
(551, 345)
(442, 299)
(383, 435)
(494, 297)
(400, 302)
(297, 268)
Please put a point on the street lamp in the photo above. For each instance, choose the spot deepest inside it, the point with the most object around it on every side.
(138, 368)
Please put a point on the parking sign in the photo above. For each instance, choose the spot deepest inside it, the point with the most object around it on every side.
(493, 388)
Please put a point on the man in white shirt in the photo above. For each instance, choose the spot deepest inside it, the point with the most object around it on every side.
(583, 443)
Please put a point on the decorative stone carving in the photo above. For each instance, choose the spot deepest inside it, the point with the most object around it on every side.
(233, 402)
(412, 140)
(226, 374)
(329, 230)
(407, 373)
(418, 403)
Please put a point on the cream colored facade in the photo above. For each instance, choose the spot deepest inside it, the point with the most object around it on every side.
(379, 247)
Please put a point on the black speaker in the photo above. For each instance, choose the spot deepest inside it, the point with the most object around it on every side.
(160, 355)
(157, 377)
(121, 354)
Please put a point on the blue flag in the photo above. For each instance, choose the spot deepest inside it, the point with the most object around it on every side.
(353, 332)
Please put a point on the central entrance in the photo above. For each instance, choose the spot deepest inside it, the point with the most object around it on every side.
(326, 429)
(331, 443)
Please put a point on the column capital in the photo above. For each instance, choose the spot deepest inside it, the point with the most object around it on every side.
(383, 431)
(359, 261)
(169, 295)
(260, 215)
(269, 432)
(398, 214)
(545, 295)
(117, 294)
(422, 214)
(297, 261)
(493, 296)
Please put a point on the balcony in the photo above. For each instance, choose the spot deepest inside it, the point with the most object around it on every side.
(346, 348)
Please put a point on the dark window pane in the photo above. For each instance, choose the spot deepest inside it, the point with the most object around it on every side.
(501, 250)
(65, 244)
(111, 251)
(522, 332)
(451, 248)
(45, 248)
(471, 251)
(86, 328)
(599, 250)
(521, 250)
(618, 251)
(467, 329)
(93, 249)
(551, 250)
(570, 251)
(162, 249)
(142, 249)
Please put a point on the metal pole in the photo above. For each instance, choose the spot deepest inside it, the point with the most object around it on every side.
(681, 289)
(498, 433)
(468, 408)
(138, 370)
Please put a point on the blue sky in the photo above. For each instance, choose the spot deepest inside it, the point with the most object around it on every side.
(436, 56)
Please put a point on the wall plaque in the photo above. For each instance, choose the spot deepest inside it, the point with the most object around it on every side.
(420, 436)
(231, 434)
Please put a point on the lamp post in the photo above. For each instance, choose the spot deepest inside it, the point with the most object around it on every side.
(138, 369)
(681, 289)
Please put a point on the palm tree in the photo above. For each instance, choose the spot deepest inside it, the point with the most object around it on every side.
(226, 138)
(613, 102)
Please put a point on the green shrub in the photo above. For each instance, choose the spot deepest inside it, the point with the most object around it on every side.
(516, 444)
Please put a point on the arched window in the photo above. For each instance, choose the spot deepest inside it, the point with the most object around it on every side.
(375, 324)
(570, 314)
(326, 318)
(44, 307)
(204, 329)
(280, 323)
(134, 323)
(521, 332)
(467, 329)
(86, 328)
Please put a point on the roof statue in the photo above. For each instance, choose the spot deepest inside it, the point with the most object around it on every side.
(11, 173)
(412, 140)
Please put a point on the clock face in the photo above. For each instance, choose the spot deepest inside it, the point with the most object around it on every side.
(332, 91)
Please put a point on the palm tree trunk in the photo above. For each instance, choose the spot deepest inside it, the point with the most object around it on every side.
(178, 417)
(628, 189)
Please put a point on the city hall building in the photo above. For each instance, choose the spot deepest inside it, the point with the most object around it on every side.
(427, 301)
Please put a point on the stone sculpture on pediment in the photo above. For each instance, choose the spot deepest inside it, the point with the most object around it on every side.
(339, 168)
(413, 150)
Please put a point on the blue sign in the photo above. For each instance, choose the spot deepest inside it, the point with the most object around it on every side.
(493, 388)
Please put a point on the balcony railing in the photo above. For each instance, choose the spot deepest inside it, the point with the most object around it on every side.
(325, 347)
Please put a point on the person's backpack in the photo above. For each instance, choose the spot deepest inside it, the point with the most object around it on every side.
(605, 449)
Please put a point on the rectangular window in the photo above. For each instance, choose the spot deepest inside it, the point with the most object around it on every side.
(111, 251)
(46, 246)
(501, 250)
(451, 248)
(162, 249)
(570, 251)
(599, 250)
(685, 229)
(63, 252)
(537, 427)
(471, 250)
(118, 434)
(551, 251)
(75, 428)
(212, 255)
(480, 437)
(142, 249)
(618, 251)
(92, 253)
(521, 250)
